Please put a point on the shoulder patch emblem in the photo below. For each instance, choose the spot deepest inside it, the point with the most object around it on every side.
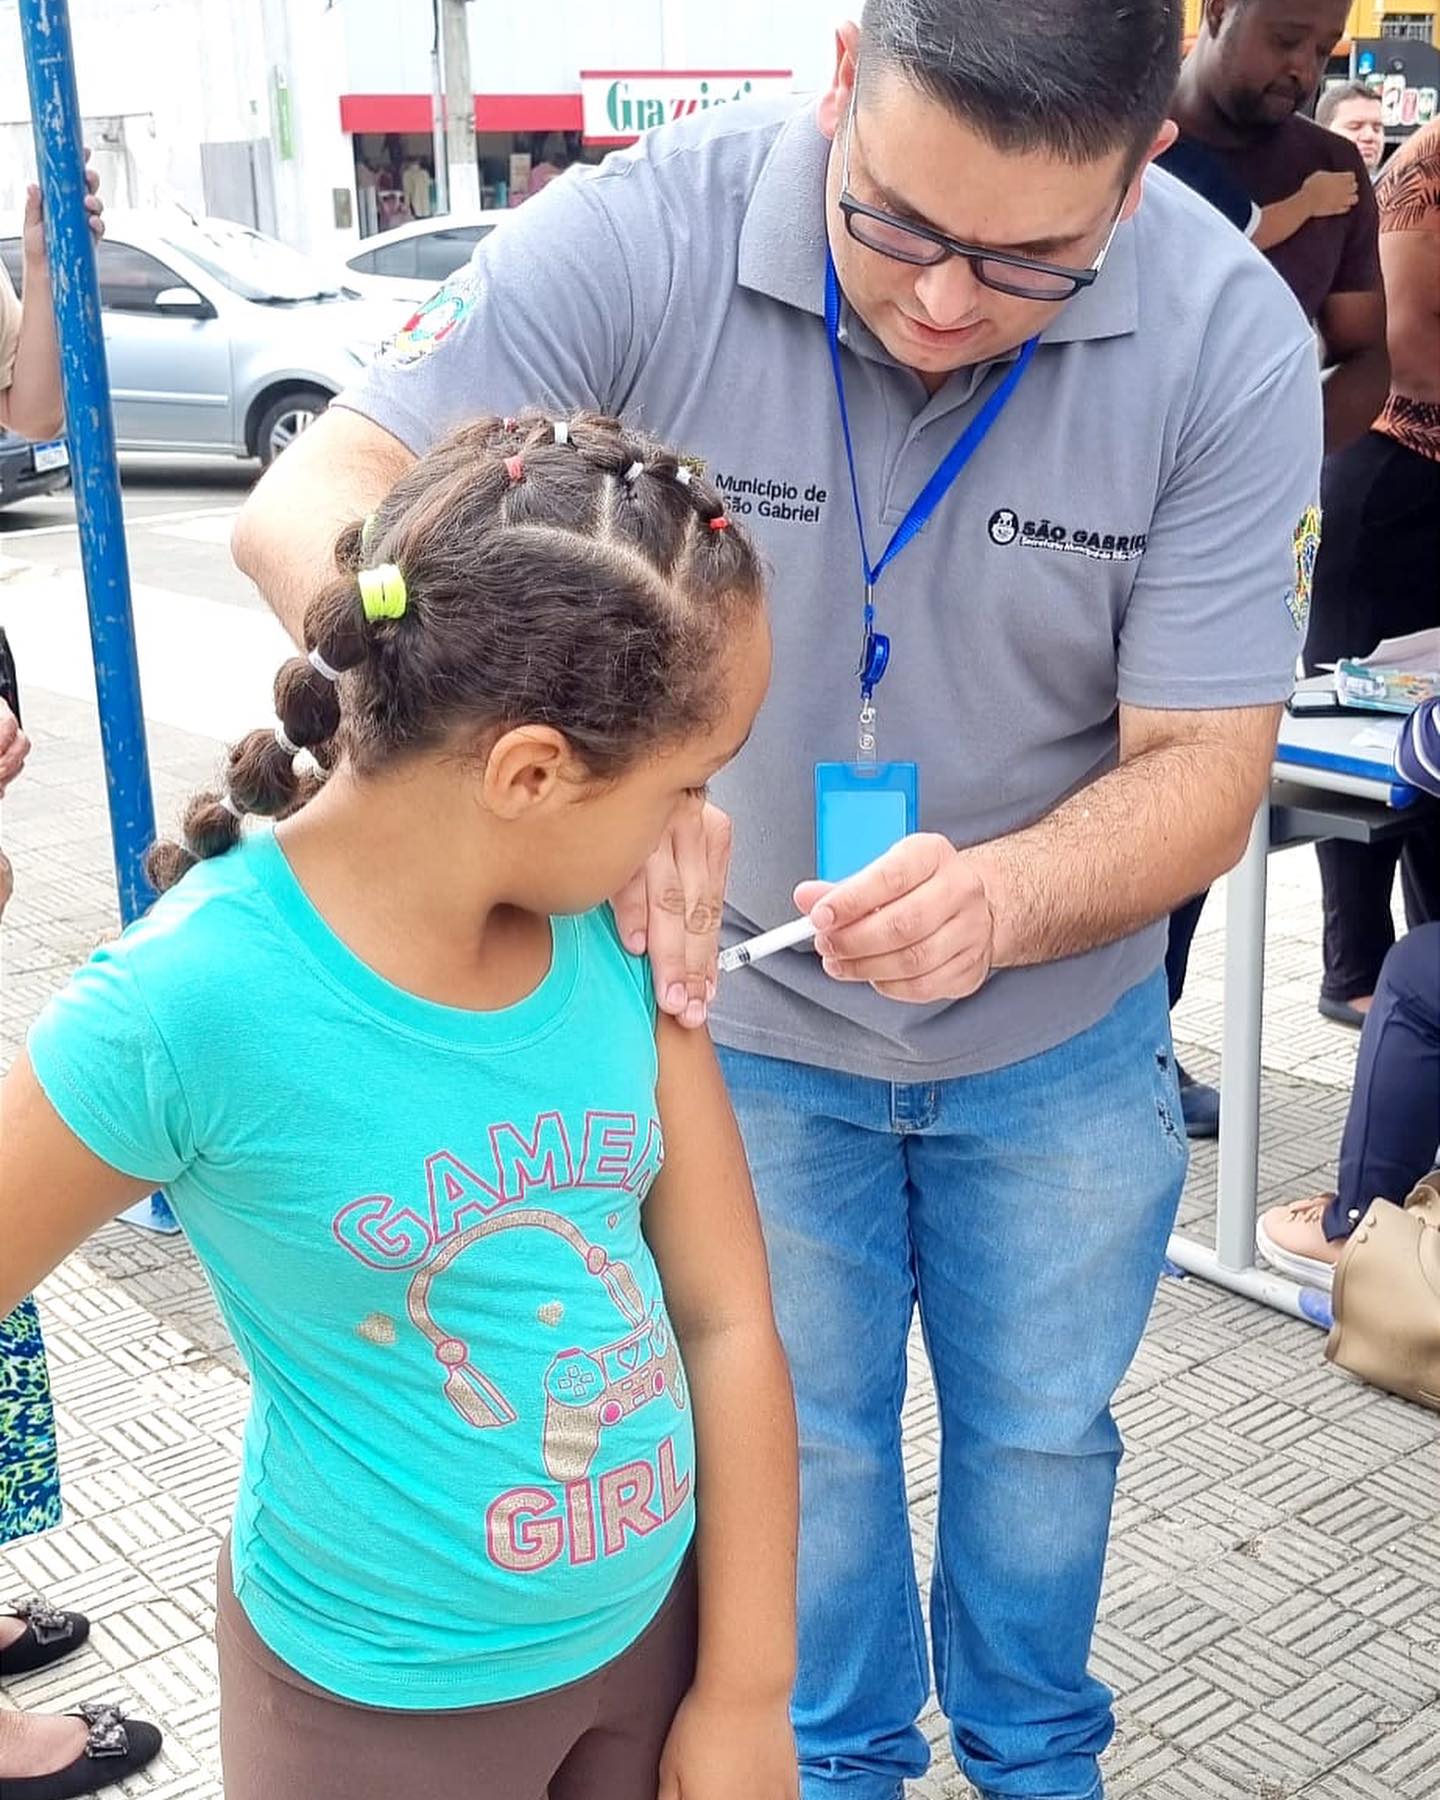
(427, 327)
(1307, 548)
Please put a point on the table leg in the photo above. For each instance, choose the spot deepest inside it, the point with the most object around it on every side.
(1239, 1176)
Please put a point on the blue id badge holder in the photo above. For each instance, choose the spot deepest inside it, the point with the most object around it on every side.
(864, 808)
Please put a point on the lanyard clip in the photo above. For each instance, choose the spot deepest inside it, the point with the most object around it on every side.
(866, 743)
(874, 661)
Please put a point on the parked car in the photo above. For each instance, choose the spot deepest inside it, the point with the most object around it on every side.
(409, 262)
(28, 470)
(219, 338)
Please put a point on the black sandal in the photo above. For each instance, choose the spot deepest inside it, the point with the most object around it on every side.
(115, 1749)
(48, 1636)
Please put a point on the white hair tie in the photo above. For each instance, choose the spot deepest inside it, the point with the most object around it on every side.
(562, 432)
(634, 472)
(684, 475)
(318, 663)
(230, 807)
(283, 740)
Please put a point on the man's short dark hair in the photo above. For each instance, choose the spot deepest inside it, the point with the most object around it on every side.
(1077, 78)
(1335, 97)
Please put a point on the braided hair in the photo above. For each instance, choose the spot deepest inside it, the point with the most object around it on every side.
(568, 573)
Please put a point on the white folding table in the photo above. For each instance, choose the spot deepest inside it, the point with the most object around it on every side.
(1332, 778)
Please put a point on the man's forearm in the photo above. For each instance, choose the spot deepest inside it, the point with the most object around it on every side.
(284, 538)
(1355, 391)
(1121, 853)
(34, 405)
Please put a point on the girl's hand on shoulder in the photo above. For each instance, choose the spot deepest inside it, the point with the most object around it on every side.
(730, 1750)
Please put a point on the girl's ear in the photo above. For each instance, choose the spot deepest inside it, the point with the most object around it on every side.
(525, 769)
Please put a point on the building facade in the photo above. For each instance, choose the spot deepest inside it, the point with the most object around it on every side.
(558, 82)
(315, 119)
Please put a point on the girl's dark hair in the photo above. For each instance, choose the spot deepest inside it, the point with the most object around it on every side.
(572, 574)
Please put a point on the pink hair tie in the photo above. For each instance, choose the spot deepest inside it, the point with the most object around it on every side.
(720, 524)
(515, 469)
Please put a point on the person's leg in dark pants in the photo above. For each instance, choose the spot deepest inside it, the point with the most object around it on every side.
(1199, 1102)
(1359, 928)
(1183, 922)
(1393, 1127)
(1420, 872)
(1374, 579)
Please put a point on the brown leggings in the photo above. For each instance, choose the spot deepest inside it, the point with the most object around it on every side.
(283, 1738)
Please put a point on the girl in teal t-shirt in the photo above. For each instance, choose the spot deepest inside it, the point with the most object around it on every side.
(482, 1230)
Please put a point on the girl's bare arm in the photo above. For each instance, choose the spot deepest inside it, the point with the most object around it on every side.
(53, 1192)
(732, 1738)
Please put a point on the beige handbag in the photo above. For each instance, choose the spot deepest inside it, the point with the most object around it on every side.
(1386, 1297)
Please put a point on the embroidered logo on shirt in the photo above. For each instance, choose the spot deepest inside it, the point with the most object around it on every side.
(424, 329)
(1007, 527)
(1307, 548)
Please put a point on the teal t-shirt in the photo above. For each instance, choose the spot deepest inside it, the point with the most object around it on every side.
(469, 1464)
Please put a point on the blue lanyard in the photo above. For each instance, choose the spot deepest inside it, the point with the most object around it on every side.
(876, 655)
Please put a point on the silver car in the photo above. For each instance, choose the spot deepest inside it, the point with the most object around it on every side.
(219, 338)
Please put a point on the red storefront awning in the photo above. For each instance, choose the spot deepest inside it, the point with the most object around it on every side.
(493, 112)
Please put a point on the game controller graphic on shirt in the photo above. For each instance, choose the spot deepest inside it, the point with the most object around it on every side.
(586, 1391)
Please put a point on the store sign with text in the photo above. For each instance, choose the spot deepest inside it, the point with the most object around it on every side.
(620, 104)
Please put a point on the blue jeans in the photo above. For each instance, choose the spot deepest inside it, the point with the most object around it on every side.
(1026, 1213)
(1394, 1119)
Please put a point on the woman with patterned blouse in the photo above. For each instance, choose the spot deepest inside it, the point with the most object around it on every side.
(1378, 572)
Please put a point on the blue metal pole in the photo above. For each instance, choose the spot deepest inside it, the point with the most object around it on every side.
(59, 151)
(60, 154)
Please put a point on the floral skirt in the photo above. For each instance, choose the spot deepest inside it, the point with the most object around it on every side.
(29, 1468)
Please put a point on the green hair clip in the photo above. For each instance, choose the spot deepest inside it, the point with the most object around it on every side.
(382, 593)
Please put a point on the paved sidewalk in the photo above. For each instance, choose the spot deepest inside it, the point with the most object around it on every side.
(1272, 1612)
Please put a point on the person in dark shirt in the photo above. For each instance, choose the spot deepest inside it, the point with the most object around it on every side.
(1255, 64)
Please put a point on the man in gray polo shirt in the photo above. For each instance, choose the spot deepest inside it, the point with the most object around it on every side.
(968, 1099)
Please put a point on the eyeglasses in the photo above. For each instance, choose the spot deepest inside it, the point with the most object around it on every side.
(1022, 276)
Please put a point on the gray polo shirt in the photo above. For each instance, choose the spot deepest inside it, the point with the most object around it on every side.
(1129, 532)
